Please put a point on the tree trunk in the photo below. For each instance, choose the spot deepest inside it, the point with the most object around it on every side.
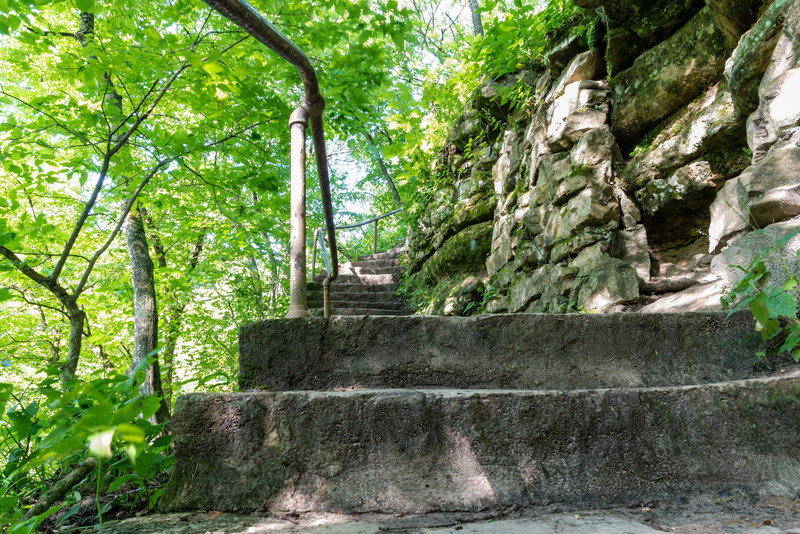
(385, 171)
(145, 337)
(477, 25)
(76, 318)
(174, 312)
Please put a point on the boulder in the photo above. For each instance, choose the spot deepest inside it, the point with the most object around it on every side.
(526, 288)
(468, 127)
(585, 66)
(777, 245)
(636, 25)
(603, 283)
(465, 297)
(595, 147)
(630, 245)
(491, 96)
(594, 206)
(506, 170)
(778, 114)
(764, 193)
(666, 78)
(751, 57)
(586, 237)
(583, 106)
(734, 17)
(558, 57)
(689, 188)
(701, 297)
(709, 124)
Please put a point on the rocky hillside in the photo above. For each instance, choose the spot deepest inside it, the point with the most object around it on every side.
(641, 170)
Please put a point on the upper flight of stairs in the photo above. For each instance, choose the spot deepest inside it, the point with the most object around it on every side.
(423, 414)
(364, 287)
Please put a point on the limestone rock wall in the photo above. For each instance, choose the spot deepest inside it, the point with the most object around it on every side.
(638, 174)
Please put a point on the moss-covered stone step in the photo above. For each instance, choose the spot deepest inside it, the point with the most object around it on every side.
(544, 351)
(416, 451)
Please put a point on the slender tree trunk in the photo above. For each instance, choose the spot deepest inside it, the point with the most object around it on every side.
(385, 171)
(477, 25)
(76, 319)
(174, 313)
(145, 338)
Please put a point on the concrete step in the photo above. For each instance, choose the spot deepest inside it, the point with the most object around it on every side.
(315, 298)
(345, 287)
(529, 351)
(374, 264)
(389, 254)
(363, 303)
(364, 279)
(361, 309)
(417, 451)
(359, 269)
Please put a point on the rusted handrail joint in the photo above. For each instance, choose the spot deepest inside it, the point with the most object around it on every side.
(310, 108)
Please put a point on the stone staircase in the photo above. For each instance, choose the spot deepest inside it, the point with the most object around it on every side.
(367, 286)
(416, 415)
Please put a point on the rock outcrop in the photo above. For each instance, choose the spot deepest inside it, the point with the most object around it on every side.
(637, 175)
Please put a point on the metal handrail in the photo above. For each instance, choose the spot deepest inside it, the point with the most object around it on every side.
(319, 238)
(311, 107)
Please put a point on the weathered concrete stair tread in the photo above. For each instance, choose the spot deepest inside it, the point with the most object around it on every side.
(371, 312)
(353, 296)
(418, 451)
(364, 287)
(362, 270)
(364, 278)
(316, 287)
(575, 351)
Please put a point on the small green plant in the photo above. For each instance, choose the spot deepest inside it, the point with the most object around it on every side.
(49, 437)
(774, 308)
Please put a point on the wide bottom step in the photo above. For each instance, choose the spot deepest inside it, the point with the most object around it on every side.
(419, 451)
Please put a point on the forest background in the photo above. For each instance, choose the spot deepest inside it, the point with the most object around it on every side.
(144, 178)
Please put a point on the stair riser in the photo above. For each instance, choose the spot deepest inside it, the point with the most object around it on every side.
(344, 270)
(351, 312)
(366, 279)
(374, 264)
(388, 255)
(350, 304)
(501, 351)
(398, 451)
(362, 298)
(316, 287)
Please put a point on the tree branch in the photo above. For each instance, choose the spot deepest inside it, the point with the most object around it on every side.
(99, 252)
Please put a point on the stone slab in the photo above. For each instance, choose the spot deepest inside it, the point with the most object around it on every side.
(544, 351)
(638, 520)
(421, 451)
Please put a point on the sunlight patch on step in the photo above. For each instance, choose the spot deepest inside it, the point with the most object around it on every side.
(467, 472)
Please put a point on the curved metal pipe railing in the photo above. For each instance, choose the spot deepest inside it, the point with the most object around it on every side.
(310, 108)
(318, 238)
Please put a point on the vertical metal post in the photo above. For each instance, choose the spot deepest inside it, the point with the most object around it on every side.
(314, 257)
(297, 274)
(375, 239)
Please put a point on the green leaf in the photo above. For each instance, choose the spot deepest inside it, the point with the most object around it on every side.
(212, 67)
(782, 305)
(758, 306)
(5, 294)
(130, 433)
(792, 342)
(85, 5)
